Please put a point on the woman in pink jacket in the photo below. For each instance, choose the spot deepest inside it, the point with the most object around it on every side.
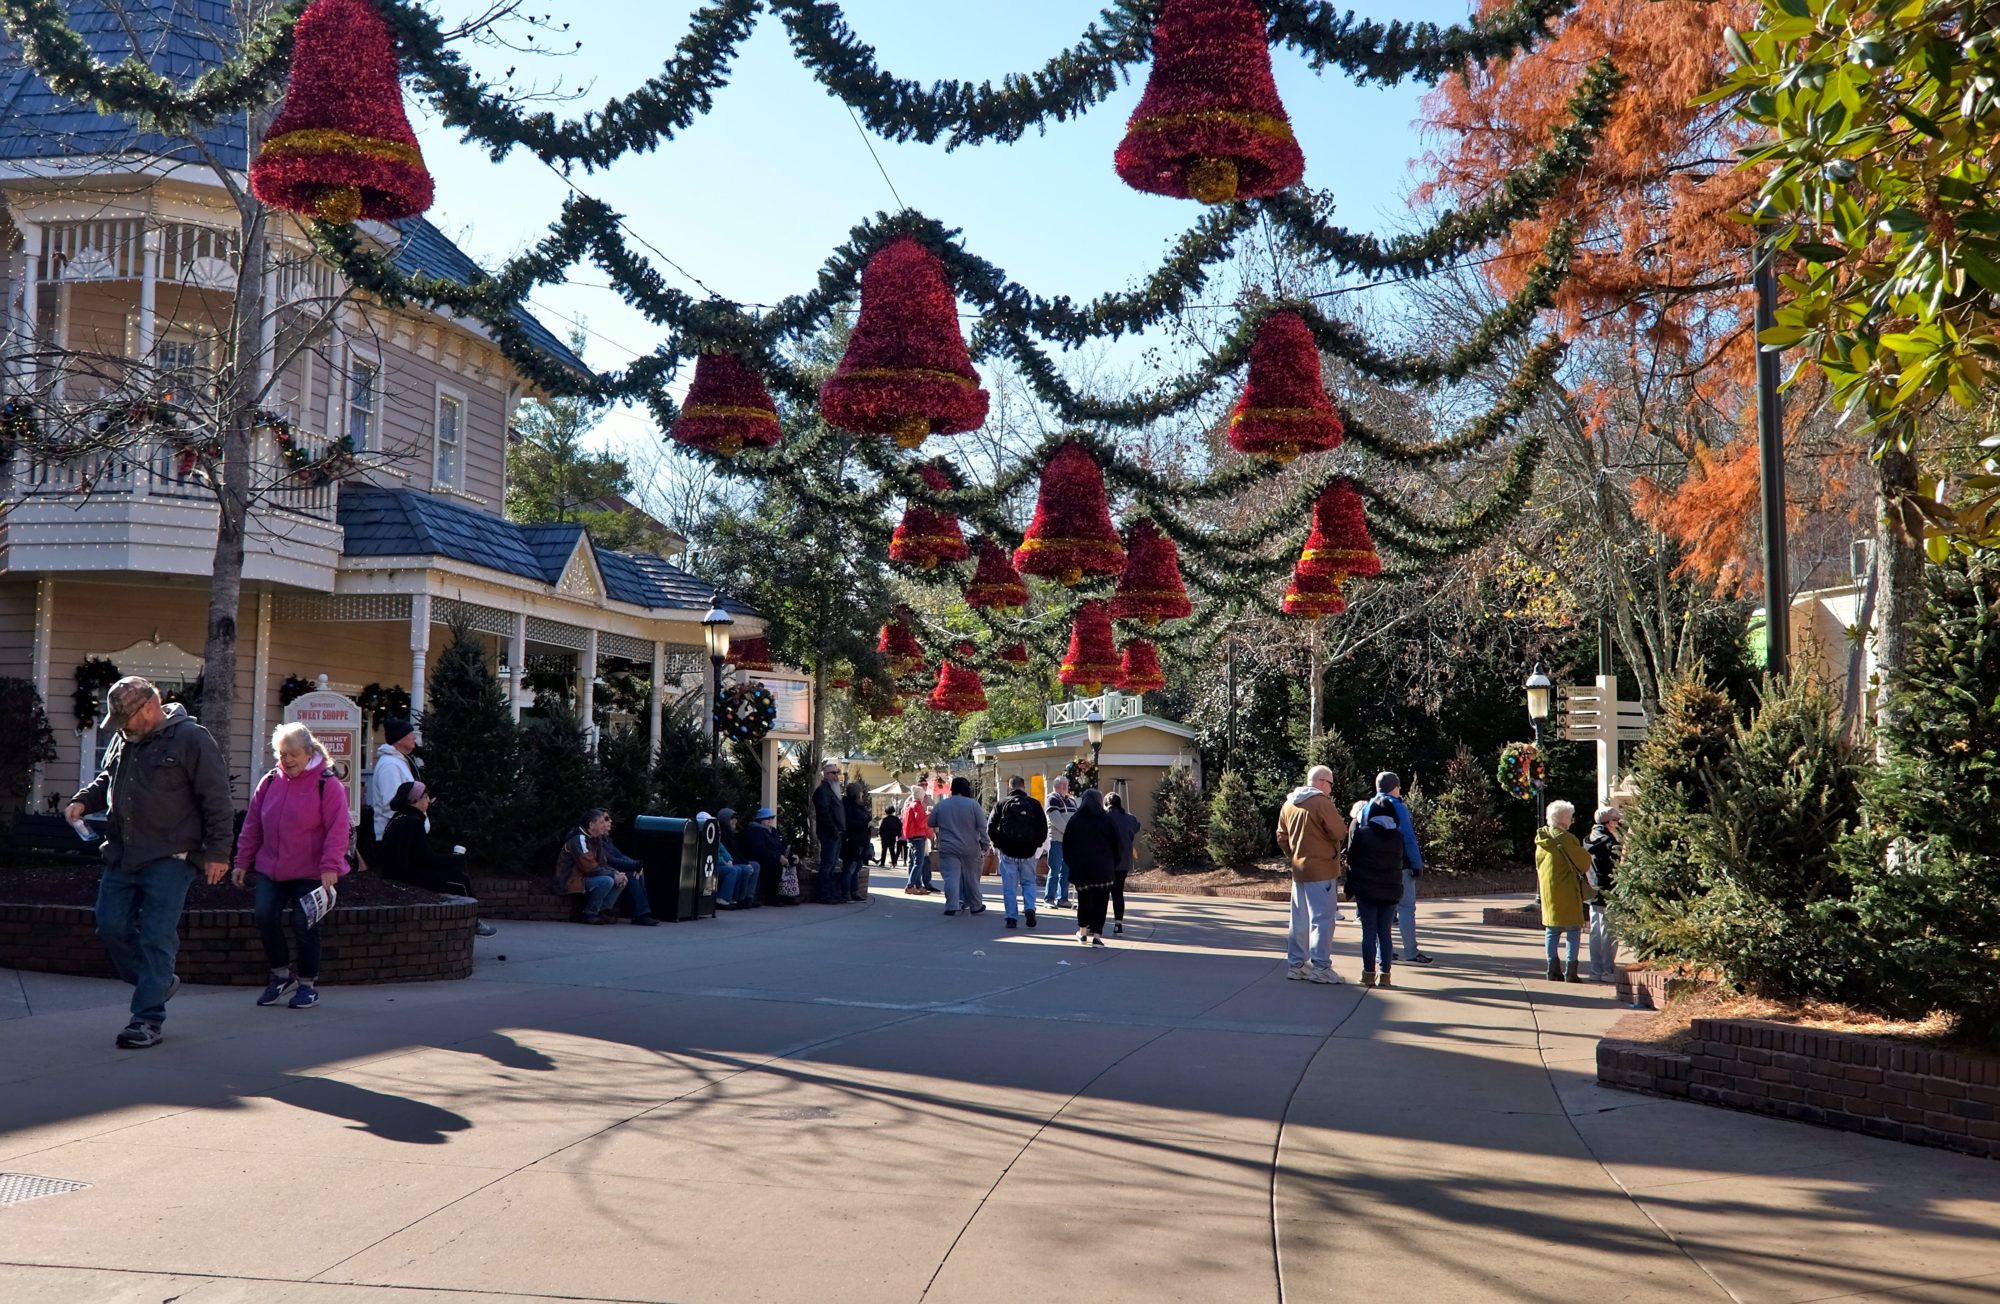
(295, 837)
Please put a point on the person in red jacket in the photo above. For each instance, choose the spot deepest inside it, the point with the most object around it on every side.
(294, 839)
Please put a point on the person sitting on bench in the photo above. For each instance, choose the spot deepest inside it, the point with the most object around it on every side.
(404, 850)
(590, 863)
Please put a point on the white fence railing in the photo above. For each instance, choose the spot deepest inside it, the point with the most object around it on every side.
(153, 470)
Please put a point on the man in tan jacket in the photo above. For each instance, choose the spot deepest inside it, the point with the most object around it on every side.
(1311, 830)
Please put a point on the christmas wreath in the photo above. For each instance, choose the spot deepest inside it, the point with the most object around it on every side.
(391, 703)
(1081, 773)
(745, 712)
(1521, 771)
(92, 677)
(293, 689)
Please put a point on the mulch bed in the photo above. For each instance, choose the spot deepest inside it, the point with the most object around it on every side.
(1269, 880)
(1669, 1029)
(69, 886)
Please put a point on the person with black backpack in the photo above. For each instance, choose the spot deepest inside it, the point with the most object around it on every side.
(1375, 882)
(1018, 828)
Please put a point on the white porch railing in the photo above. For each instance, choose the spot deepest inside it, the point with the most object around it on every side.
(1114, 704)
(152, 471)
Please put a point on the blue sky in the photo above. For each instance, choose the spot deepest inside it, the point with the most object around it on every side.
(752, 197)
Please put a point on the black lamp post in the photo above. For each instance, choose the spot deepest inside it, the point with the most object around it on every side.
(1540, 691)
(1093, 728)
(715, 629)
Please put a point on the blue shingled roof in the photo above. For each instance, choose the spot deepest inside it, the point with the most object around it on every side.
(181, 39)
(384, 522)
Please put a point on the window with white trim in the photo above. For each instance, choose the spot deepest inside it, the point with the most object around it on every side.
(450, 441)
(364, 402)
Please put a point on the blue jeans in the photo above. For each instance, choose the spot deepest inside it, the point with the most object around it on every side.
(1378, 918)
(272, 899)
(920, 861)
(139, 921)
(601, 894)
(1603, 945)
(1312, 924)
(736, 883)
(1058, 884)
(1017, 872)
(830, 875)
(1570, 933)
(851, 876)
(1406, 914)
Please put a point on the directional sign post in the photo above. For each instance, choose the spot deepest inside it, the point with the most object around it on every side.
(1596, 715)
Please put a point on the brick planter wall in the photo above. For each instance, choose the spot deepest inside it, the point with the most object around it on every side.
(364, 944)
(1649, 989)
(1858, 1084)
(520, 898)
(1528, 916)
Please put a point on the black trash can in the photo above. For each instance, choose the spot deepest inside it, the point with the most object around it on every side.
(679, 856)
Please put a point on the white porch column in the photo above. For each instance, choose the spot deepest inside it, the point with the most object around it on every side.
(31, 291)
(149, 294)
(260, 684)
(267, 328)
(517, 664)
(656, 700)
(588, 697)
(44, 636)
(420, 646)
(768, 786)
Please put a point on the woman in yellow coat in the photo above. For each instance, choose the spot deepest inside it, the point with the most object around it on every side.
(1561, 864)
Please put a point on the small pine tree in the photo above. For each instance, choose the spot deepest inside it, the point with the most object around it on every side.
(1179, 834)
(686, 781)
(1236, 832)
(471, 755)
(1774, 914)
(1928, 872)
(1686, 748)
(624, 778)
(556, 779)
(1465, 830)
(25, 737)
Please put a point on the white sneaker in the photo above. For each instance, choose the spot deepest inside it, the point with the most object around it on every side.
(1299, 973)
(1317, 975)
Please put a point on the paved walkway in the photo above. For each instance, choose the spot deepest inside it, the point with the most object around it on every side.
(882, 1104)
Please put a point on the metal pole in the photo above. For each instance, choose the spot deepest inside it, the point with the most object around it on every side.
(1230, 761)
(714, 698)
(1541, 797)
(1771, 459)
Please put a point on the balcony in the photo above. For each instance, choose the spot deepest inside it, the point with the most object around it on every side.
(135, 510)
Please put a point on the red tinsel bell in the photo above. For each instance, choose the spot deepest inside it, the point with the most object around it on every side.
(1150, 589)
(899, 648)
(958, 690)
(841, 681)
(927, 536)
(1210, 125)
(906, 371)
(996, 585)
(1284, 410)
(1339, 544)
(1092, 660)
(1139, 671)
(727, 409)
(1072, 535)
(1312, 596)
(753, 653)
(342, 147)
(1015, 654)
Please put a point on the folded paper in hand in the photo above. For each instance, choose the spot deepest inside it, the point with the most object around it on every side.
(317, 905)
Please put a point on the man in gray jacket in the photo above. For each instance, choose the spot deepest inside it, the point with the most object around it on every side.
(166, 788)
(960, 828)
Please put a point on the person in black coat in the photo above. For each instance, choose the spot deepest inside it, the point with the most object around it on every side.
(1090, 850)
(1127, 825)
(856, 823)
(830, 826)
(892, 839)
(404, 851)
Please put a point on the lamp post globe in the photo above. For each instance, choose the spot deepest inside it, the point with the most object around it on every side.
(715, 631)
(1540, 690)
